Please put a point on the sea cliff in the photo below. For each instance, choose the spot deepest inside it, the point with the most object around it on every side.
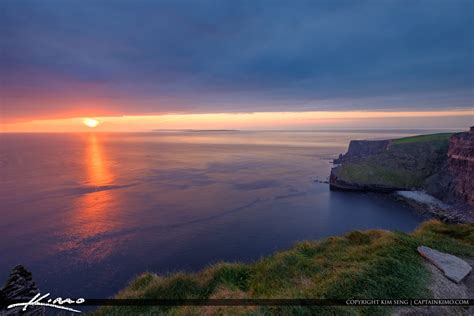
(441, 165)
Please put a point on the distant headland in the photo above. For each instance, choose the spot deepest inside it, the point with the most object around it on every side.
(441, 165)
(196, 130)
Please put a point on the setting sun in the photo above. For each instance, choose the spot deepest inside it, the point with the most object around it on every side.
(90, 122)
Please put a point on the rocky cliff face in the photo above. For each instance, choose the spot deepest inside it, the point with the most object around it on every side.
(363, 148)
(461, 166)
(441, 164)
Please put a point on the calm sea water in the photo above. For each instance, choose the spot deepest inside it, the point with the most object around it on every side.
(87, 212)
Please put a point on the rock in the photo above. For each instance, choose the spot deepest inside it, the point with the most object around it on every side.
(461, 165)
(363, 148)
(20, 286)
(338, 160)
(453, 267)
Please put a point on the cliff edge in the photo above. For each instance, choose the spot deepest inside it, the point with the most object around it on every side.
(439, 164)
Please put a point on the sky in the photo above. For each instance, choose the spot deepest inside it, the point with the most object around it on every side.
(324, 62)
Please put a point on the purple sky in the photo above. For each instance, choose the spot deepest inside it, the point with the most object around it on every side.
(75, 58)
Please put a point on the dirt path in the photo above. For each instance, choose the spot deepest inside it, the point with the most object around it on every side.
(441, 287)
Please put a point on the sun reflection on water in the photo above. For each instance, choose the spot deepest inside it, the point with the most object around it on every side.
(97, 172)
(93, 215)
(95, 207)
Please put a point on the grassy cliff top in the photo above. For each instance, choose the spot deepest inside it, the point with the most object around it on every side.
(405, 164)
(440, 137)
(423, 138)
(361, 264)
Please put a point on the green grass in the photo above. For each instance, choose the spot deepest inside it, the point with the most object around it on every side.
(423, 138)
(382, 173)
(362, 264)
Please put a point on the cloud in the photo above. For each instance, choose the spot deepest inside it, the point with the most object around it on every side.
(144, 57)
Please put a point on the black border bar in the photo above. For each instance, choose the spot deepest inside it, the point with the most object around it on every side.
(264, 302)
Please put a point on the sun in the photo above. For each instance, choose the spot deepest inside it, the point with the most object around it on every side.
(90, 122)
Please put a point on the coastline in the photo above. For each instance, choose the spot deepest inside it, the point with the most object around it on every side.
(436, 166)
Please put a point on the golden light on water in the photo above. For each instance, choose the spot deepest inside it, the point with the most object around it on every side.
(90, 122)
(93, 213)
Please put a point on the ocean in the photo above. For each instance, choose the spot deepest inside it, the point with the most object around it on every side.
(85, 213)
